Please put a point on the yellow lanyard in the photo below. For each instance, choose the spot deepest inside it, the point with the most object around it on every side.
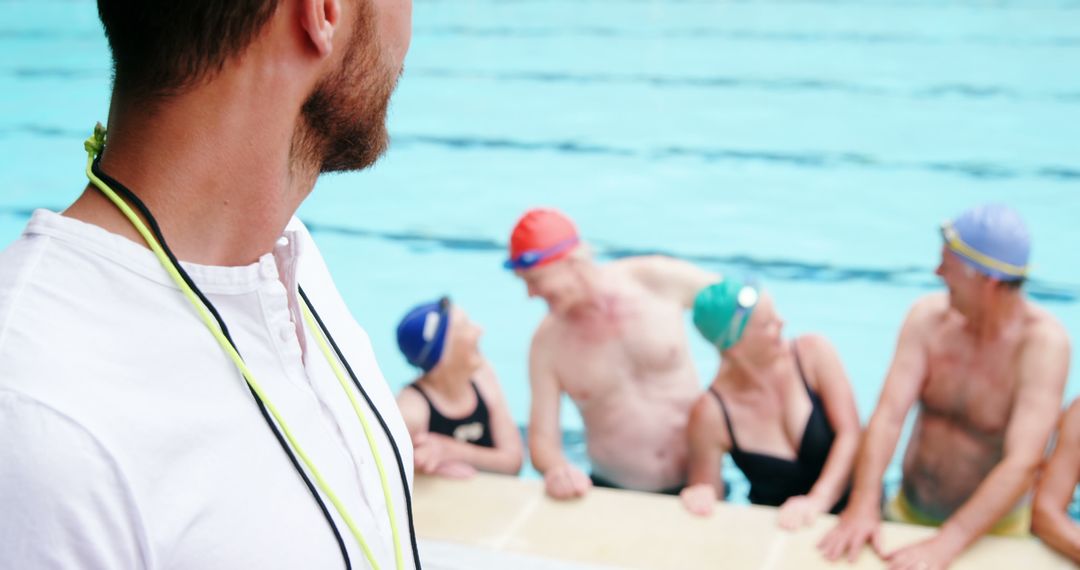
(94, 146)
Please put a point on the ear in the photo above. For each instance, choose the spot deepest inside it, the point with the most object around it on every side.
(320, 18)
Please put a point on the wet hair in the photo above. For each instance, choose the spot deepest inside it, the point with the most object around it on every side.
(159, 48)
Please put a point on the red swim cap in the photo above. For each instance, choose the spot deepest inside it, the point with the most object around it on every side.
(541, 236)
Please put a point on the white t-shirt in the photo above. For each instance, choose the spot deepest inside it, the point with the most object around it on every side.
(128, 440)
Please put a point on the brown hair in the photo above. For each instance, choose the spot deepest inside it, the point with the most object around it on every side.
(160, 48)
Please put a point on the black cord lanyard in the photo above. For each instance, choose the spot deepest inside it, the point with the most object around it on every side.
(152, 223)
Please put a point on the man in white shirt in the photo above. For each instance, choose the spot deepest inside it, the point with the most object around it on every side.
(130, 438)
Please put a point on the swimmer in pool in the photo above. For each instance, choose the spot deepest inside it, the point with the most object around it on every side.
(783, 409)
(615, 341)
(987, 368)
(455, 411)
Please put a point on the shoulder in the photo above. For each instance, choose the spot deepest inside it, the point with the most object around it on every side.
(18, 265)
(56, 501)
(19, 260)
(706, 421)
(929, 307)
(414, 409)
(814, 345)
(927, 314)
(44, 283)
(545, 335)
(705, 413)
(1044, 328)
(74, 452)
(814, 352)
(27, 263)
(1070, 423)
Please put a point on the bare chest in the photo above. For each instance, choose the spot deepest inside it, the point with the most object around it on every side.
(972, 385)
(642, 343)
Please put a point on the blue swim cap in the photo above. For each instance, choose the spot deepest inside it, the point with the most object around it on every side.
(992, 239)
(421, 334)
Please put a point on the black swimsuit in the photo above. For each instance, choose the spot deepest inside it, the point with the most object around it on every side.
(474, 428)
(773, 480)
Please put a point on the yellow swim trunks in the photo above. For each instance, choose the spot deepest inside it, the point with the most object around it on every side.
(1015, 524)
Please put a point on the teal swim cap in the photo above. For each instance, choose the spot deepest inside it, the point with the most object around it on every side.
(722, 310)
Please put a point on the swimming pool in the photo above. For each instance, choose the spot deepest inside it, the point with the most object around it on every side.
(817, 144)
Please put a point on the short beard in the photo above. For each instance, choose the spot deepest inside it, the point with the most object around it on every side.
(344, 119)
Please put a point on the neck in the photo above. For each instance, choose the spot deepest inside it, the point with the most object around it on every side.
(997, 314)
(744, 374)
(216, 171)
(450, 380)
(595, 302)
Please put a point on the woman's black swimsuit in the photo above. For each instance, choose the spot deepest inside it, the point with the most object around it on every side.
(474, 428)
(774, 480)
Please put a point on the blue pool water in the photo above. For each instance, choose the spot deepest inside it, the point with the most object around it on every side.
(817, 144)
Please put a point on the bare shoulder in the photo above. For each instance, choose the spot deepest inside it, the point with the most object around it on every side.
(705, 413)
(1043, 327)
(930, 308)
(545, 335)
(1044, 353)
(928, 315)
(414, 410)
(409, 399)
(706, 422)
(1070, 421)
(814, 345)
(815, 352)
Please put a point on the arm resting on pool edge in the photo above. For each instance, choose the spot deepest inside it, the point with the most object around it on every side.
(708, 442)
(561, 479)
(860, 522)
(1050, 520)
(834, 390)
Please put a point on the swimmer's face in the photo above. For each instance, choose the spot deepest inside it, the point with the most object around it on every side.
(964, 283)
(763, 336)
(462, 341)
(556, 283)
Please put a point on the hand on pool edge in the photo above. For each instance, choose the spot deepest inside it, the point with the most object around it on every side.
(856, 528)
(799, 511)
(566, 482)
(934, 553)
(699, 499)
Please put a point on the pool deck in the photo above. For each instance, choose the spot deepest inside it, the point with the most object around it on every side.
(509, 516)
